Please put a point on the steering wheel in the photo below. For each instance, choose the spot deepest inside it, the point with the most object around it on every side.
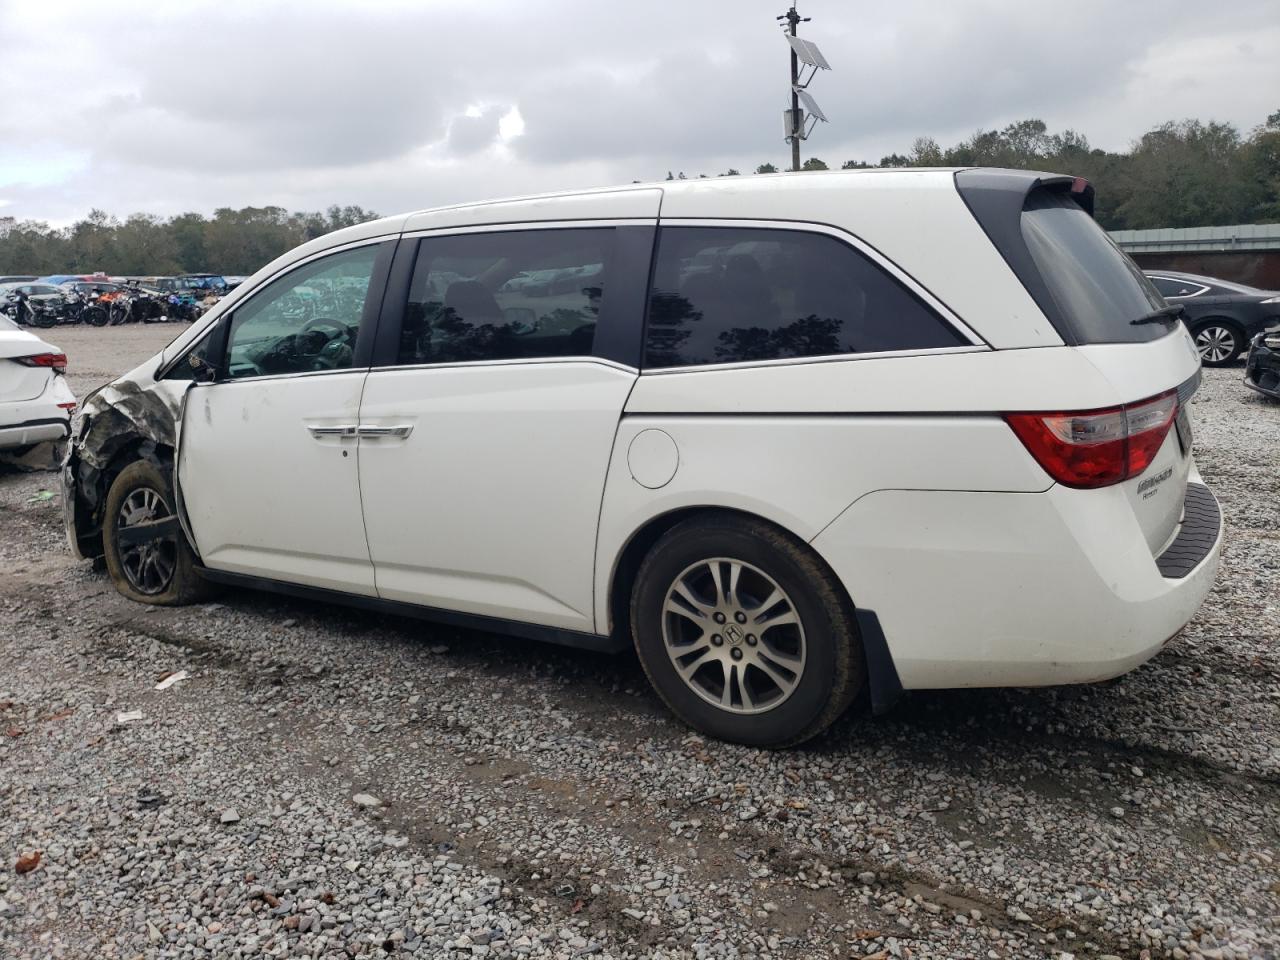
(310, 341)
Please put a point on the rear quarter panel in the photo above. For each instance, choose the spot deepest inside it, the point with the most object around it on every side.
(798, 443)
(800, 472)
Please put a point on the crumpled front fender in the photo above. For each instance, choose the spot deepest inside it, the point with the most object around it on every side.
(121, 422)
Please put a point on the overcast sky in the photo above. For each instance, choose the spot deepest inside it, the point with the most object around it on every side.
(401, 104)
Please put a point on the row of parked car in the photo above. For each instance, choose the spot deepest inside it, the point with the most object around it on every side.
(100, 300)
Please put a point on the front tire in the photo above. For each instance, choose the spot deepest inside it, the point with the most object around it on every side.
(744, 632)
(160, 571)
(1220, 344)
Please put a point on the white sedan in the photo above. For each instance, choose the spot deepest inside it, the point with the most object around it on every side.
(35, 402)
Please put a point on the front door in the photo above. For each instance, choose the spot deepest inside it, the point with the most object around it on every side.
(268, 460)
(485, 444)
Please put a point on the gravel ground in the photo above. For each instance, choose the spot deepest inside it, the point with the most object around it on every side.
(328, 783)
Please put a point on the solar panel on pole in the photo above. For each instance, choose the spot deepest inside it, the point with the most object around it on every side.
(808, 52)
(810, 104)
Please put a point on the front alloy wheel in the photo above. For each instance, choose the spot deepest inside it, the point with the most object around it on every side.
(1219, 345)
(148, 564)
(147, 553)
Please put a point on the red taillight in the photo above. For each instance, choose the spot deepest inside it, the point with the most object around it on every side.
(58, 361)
(1096, 448)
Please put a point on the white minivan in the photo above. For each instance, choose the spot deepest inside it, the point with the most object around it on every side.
(791, 437)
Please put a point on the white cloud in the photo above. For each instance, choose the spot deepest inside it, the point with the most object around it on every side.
(400, 104)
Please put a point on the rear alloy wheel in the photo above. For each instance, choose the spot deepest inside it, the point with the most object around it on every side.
(744, 633)
(147, 553)
(1219, 344)
(733, 635)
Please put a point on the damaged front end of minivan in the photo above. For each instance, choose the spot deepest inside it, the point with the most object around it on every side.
(120, 423)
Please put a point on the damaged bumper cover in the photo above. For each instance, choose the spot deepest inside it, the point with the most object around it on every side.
(1262, 367)
(120, 423)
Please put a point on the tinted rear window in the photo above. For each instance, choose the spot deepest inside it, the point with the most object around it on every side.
(745, 294)
(1097, 288)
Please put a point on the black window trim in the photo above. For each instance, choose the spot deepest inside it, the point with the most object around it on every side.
(365, 335)
(1203, 287)
(618, 340)
(821, 358)
(215, 332)
(932, 302)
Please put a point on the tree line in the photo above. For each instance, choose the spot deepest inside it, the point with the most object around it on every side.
(232, 242)
(1181, 174)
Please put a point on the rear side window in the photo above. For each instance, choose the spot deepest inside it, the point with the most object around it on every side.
(1177, 288)
(506, 296)
(733, 294)
(1098, 290)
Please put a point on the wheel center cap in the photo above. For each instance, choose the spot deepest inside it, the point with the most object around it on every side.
(733, 634)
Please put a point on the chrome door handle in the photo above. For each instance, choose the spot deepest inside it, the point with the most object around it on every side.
(343, 430)
(400, 432)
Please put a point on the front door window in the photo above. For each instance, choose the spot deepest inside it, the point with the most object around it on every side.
(305, 321)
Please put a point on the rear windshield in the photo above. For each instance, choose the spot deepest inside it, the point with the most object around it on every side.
(1097, 288)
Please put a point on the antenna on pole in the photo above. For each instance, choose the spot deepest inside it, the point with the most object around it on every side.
(797, 125)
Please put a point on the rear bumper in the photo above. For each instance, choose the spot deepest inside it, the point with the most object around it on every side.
(1020, 589)
(38, 419)
(34, 431)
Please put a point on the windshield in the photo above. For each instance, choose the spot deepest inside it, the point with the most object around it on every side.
(1097, 288)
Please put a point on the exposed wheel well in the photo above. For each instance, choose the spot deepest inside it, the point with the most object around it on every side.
(92, 488)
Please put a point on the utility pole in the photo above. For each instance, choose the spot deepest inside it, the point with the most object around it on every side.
(806, 52)
(797, 126)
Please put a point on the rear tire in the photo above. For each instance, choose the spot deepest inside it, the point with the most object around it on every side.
(1220, 343)
(163, 571)
(744, 632)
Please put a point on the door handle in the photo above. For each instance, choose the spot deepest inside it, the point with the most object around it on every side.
(320, 431)
(400, 432)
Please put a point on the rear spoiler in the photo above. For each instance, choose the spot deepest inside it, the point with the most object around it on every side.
(996, 199)
(1078, 188)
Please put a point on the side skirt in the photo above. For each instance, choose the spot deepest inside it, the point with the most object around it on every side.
(468, 621)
